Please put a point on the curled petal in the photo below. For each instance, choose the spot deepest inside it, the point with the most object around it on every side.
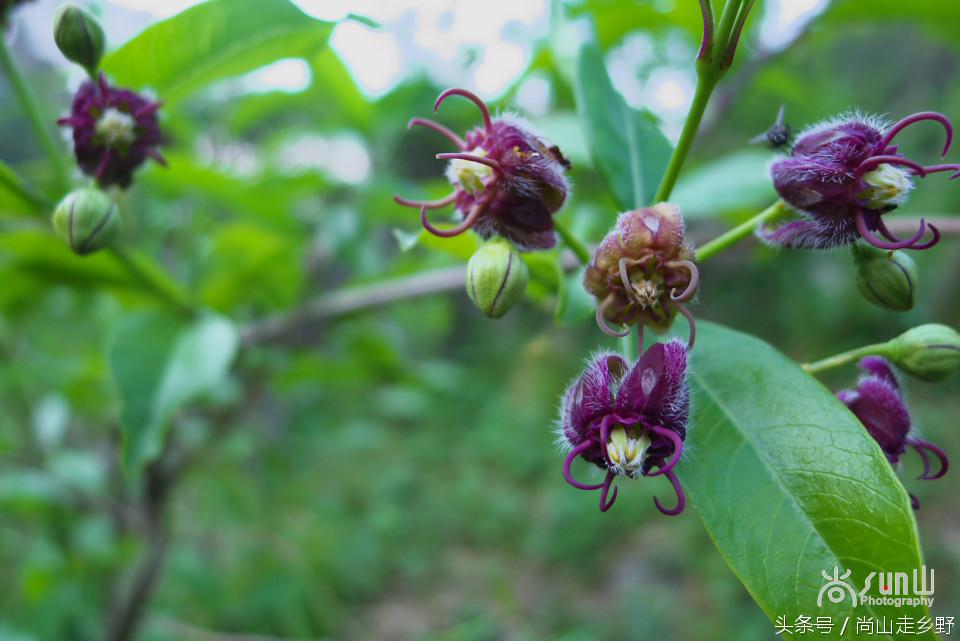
(693, 326)
(917, 117)
(914, 501)
(927, 245)
(681, 497)
(568, 475)
(474, 98)
(426, 204)
(691, 289)
(922, 447)
(674, 438)
(933, 169)
(900, 244)
(104, 163)
(706, 10)
(873, 162)
(467, 223)
(602, 321)
(489, 162)
(607, 483)
(605, 426)
(440, 129)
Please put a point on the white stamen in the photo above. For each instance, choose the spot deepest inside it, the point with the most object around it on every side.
(627, 452)
(468, 174)
(116, 128)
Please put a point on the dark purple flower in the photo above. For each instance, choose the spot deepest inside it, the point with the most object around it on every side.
(643, 271)
(507, 181)
(628, 421)
(114, 132)
(843, 175)
(879, 405)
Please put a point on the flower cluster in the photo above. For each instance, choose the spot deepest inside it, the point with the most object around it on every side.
(843, 175)
(879, 405)
(629, 421)
(507, 181)
(643, 271)
(114, 132)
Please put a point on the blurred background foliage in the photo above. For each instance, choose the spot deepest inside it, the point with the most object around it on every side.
(390, 474)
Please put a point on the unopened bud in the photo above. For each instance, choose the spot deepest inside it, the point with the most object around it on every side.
(930, 352)
(496, 278)
(87, 219)
(79, 36)
(886, 278)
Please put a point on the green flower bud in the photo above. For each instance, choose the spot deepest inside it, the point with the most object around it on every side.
(79, 36)
(87, 219)
(886, 278)
(496, 277)
(930, 352)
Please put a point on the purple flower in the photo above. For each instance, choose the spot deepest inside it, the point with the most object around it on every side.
(114, 132)
(643, 271)
(879, 405)
(628, 421)
(843, 175)
(507, 181)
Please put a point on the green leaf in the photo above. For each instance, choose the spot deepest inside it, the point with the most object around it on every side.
(788, 482)
(214, 40)
(574, 302)
(728, 184)
(160, 363)
(17, 198)
(627, 146)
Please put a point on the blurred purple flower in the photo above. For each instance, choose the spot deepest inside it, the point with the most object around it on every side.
(879, 405)
(507, 181)
(843, 175)
(114, 132)
(628, 421)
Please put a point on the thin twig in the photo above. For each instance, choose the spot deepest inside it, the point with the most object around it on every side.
(354, 299)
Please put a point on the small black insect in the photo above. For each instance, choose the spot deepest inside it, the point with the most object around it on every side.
(777, 136)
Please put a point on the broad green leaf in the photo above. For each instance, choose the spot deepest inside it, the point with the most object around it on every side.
(252, 265)
(161, 362)
(728, 184)
(16, 197)
(574, 303)
(789, 484)
(214, 40)
(628, 148)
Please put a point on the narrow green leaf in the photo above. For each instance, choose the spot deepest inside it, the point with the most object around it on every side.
(214, 40)
(17, 198)
(789, 484)
(160, 363)
(628, 148)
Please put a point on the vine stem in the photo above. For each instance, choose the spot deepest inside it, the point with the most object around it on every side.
(32, 110)
(161, 288)
(571, 241)
(724, 241)
(706, 82)
(839, 360)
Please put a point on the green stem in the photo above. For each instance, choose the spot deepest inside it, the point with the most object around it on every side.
(706, 82)
(772, 213)
(838, 360)
(30, 107)
(574, 243)
(154, 281)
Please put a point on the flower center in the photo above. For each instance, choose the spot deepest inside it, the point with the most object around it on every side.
(468, 174)
(644, 292)
(116, 128)
(888, 187)
(627, 450)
